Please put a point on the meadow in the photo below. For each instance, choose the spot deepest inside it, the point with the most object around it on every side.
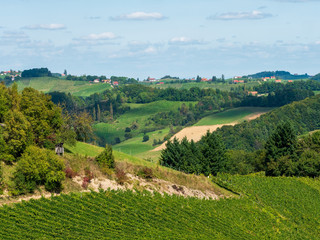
(232, 115)
(267, 208)
(50, 84)
(139, 113)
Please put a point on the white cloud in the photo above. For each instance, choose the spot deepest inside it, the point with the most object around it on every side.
(254, 15)
(52, 26)
(184, 41)
(140, 16)
(95, 39)
(150, 50)
(100, 36)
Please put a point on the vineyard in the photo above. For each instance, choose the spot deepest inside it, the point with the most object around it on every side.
(268, 208)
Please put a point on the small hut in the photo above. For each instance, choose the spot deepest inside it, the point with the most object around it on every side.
(59, 149)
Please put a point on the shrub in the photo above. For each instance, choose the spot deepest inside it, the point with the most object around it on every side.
(70, 173)
(121, 176)
(127, 129)
(146, 173)
(128, 136)
(145, 138)
(106, 158)
(37, 167)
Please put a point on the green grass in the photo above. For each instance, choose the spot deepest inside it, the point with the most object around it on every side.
(270, 208)
(232, 115)
(136, 147)
(84, 149)
(316, 92)
(139, 113)
(49, 84)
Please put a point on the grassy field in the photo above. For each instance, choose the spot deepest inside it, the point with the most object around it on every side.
(139, 113)
(232, 115)
(49, 84)
(136, 147)
(269, 208)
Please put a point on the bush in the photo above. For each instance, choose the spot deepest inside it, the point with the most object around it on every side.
(37, 167)
(146, 173)
(128, 136)
(121, 176)
(145, 138)
(70, 173)
(106, 158)
(127, 129)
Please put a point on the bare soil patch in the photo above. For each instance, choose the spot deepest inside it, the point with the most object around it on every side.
(196, 132)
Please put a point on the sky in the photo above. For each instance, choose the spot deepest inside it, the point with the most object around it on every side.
(141, 38)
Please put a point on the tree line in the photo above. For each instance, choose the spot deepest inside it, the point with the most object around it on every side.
(282, 155)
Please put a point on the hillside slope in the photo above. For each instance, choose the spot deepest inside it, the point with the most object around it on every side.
(50, 84)
(304, 116)
(270, 208)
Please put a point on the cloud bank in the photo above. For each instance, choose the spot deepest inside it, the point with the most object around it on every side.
(52, 26)
(253, 15)
(140, 16)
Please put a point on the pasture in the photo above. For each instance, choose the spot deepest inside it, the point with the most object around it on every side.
(233, 115)
(50, 84)
(139, 113)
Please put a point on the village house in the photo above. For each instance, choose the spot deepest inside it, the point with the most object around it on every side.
(96, 80)
(115, 83)
(253, 93)
(278, 81)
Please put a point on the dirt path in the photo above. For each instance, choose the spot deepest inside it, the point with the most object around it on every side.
(196, 132)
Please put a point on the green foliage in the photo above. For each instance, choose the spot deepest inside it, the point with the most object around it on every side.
(37, 167)
(17, 135)
(271, 208)
(208, 156)
(36, 72)
(214, 153)
(253, 135)
(106, 158)
(145, 138)
(281, 148)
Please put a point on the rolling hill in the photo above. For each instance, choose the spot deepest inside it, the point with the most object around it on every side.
(50, 84)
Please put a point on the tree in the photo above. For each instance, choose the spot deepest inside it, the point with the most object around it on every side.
(65, 72)
(82, 126)
(145, 138)
(106, 158)
(214, 154)
(283, 142)
(36, 167)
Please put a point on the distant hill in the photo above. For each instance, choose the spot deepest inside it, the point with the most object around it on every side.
(316, 77)
(279, 74)
(304, 116)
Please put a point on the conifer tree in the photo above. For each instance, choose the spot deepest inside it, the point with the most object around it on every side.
(283, 142)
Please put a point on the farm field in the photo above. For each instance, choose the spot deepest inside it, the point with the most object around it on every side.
(139, 113)
(49, 84)
(268, 208)
(232, 115)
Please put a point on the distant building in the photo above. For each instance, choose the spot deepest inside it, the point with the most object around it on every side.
(253, 93)
(115, 83)
(278, 81)
(204, 80)
(106, 80)
(96, 80)
(290, 81)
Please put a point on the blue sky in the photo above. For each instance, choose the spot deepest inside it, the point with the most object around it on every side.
(141, 38)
